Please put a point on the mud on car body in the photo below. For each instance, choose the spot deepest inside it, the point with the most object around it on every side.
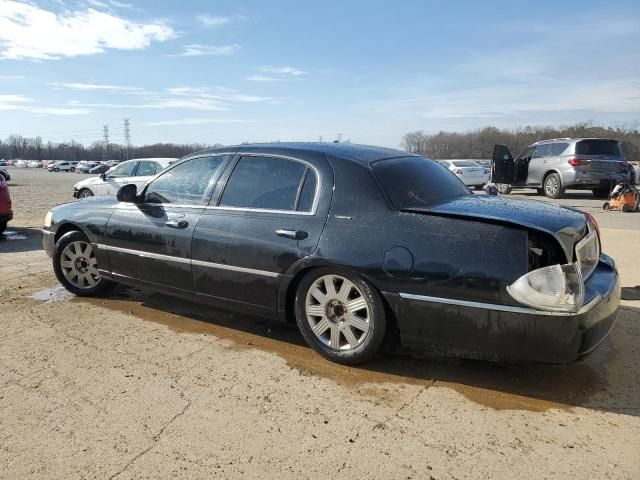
(354, 243)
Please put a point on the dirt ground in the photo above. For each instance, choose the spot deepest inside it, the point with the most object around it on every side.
(140, 385)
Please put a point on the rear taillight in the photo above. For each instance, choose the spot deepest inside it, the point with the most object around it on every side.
(593, 221)
(576, 161)
(457, 171)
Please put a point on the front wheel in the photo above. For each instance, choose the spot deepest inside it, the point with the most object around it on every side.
(84, 193)
(340, 315)
(553, 186)
(76, 266)
(503, 188)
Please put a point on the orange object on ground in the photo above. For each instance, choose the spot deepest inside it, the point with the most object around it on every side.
(624, 197)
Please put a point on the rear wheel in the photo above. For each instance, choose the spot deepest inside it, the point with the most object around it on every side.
(553, 186)
(3, 225)
(72, 169)
(76, 266)
(503, 188)
(600, 192)
(340, 315)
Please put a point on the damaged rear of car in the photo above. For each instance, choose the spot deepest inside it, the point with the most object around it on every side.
(518, 280)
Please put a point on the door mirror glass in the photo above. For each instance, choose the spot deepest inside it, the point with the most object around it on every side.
(127, 193)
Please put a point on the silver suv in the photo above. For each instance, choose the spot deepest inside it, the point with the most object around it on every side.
(552, 166)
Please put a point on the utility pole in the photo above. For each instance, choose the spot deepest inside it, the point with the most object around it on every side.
(320, 138)
(127, 139)
(105, 139)
(339, 138)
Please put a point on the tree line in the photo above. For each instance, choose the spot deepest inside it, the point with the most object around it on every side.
(35, 148)
(479, 143)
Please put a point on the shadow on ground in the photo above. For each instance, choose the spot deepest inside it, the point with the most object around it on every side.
(607, 380)
(20, 239)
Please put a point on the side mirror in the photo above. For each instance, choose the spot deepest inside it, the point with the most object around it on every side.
(103, 175)
(127, 193)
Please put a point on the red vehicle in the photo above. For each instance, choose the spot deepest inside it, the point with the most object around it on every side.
(6, 213)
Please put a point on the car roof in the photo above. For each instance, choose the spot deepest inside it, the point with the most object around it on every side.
(349, 151)
(565, 140)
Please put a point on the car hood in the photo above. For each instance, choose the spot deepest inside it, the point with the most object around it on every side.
(88, 182)
(567, 225)
(91, 203)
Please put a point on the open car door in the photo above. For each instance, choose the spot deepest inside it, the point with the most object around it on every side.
(502, 166)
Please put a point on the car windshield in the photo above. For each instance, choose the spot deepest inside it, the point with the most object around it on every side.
(464, 163)
(414, 182)
(598, 147)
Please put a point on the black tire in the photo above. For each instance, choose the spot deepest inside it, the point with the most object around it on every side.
(606, 206)
(72, 169)
(503, 188)
(102, 284)
(377, 322)
(56, 169)
(553, 186)
(84, 193)
(3, 226)
(602, 193)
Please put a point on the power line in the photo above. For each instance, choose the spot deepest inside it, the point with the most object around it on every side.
(105, 139)
(127, 139)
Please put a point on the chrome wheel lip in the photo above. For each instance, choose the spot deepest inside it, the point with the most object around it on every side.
(79, 265)
(338, 312)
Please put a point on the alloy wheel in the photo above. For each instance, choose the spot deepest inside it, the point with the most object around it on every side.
(551, 185)
(85, 193)
(338, 312)
(79, 265)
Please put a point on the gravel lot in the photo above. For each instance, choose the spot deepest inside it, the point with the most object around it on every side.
(140, 385)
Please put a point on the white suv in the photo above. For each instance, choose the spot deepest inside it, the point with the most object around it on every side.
(62, 167)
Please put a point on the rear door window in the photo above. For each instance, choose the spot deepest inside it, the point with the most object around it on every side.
(269, 183)
(598, 147)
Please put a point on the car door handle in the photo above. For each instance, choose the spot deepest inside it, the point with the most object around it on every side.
(292, 234)
(177, 224)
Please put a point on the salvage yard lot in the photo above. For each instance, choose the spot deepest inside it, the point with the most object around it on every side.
(139, 385)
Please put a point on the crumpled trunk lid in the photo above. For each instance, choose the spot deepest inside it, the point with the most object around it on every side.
(567, 225)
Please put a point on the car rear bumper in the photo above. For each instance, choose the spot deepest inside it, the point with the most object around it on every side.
(510, 333)
(593, 179)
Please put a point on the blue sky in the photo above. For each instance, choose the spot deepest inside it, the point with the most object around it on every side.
(234, 71)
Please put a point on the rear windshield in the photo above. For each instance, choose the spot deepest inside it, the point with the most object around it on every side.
(465, 163)
(414, 182)
(598, 147)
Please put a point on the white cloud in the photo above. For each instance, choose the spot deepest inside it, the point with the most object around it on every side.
(30, 32)
(262, 78)
(287, 71)
(26, 104)
(98, 87)
(214, 21)
(211, 21)
(199, 50)
(192, 121)
(11, 77)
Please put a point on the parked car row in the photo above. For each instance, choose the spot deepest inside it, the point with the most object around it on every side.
(471, 172)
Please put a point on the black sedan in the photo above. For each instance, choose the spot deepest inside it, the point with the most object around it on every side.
(353, 243)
